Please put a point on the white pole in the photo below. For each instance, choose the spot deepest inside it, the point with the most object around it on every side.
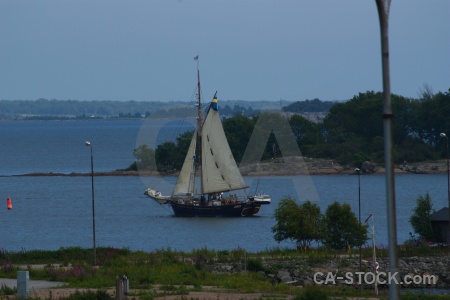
(374, 255)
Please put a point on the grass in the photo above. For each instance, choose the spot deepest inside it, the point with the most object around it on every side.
(5, 290)
(167, 272)
(411, 296)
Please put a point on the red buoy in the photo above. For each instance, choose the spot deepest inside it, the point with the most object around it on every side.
(9, 203)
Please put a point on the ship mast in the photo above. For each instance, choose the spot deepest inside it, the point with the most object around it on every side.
(199, 126)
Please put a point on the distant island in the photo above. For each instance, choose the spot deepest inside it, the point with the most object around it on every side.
(347, 133)
(43, 109)
(288, 166)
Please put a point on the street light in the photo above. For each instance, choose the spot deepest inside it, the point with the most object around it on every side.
(443, 135)
(388, 123)
(374, 255)
(359, 215)
(88, 144)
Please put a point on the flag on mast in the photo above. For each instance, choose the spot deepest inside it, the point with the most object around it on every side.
(214, 102)
(196, 58)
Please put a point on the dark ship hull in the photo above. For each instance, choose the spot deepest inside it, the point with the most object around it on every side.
(244, 209)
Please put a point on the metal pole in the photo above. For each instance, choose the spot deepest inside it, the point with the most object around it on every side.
(374, 254)
(448, 194)
(93, 207)
(443, 135)
(359, 217)
(383, 13)
(88, 144)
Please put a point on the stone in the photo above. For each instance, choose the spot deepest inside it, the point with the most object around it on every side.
(368, 167)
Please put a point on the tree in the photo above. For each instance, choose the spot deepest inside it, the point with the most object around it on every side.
(238, 131)
(421, 219)
(342, 228)
(274, 128)
(182, 144)
(166, 154)
(314, 105)
(145, 158)
(433, 117)
(351, 127)
(306, 133)
(298, 223)
(167, 157)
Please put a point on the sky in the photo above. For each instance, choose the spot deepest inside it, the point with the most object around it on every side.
(251, 50)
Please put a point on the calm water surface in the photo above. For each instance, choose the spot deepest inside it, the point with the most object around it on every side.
(54, 212)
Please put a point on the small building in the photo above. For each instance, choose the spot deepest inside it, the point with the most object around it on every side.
(439, 223)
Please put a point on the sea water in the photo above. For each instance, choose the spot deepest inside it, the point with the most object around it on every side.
(50, 212)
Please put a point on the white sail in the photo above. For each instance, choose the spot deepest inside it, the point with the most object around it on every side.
(219, 170)
(219, 173)
(186, 184)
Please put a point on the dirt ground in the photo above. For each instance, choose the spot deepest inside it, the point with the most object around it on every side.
(60, 293)
(209, 294)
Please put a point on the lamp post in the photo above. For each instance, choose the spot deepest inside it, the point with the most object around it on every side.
(88, 144)
(443, 135)
(374, 255)
(359, 215)
(383, 7)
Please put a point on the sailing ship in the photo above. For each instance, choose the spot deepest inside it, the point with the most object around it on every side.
(209, 155)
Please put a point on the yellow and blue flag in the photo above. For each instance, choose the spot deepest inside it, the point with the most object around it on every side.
(214, 102)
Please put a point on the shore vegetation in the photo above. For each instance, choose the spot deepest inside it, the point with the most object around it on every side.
(350, 133)
(169, 272)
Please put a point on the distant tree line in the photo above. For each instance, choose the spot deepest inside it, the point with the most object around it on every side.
(64, 109)
(309, 106)
(238, 110)
(351, 133)
(44, 107)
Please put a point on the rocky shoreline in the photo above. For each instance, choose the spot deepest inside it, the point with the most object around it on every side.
(290, 166)
(314, 166)
(414, 272)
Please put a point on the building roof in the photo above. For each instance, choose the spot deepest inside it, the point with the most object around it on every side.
(440, 215)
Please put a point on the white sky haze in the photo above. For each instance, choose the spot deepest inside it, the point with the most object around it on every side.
(249, 49)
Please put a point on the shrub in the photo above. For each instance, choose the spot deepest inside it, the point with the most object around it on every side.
(312, 293)
(6, 290)
(90, 295)
(421, 219)
(254, 264)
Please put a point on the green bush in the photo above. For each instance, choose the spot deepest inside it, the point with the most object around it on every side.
(254, 265)
(312, 293)
(6, 290)
(90, 295)
(421, 219)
